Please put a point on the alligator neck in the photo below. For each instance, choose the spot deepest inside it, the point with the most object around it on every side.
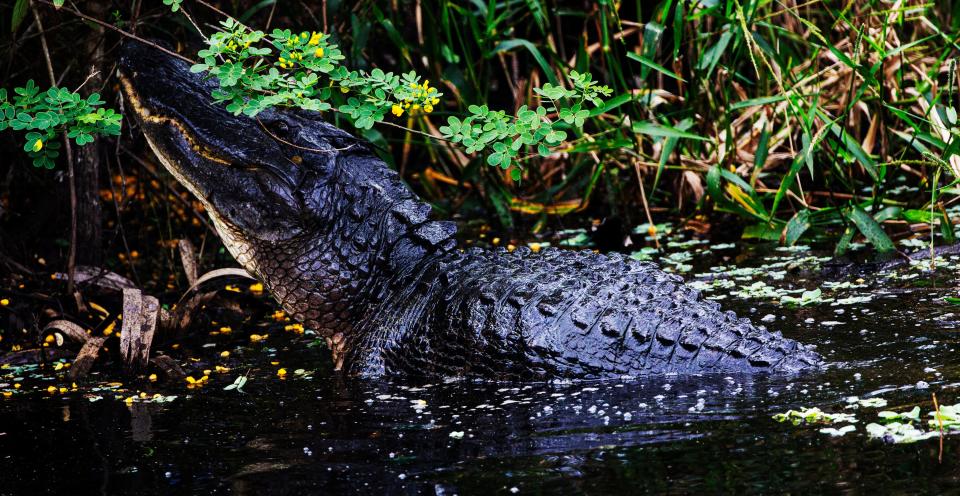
(369, 234)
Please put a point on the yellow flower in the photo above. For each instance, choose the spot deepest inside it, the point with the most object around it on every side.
(224, 354)
(315, 40)
(254, 338)
(297, 328)
(428, 108)
(152, 378)
(396, 110)
(434, 101)
(38, 145)
(344, 89)
(416, 106)
(318, 52)
(282, 373)
(4, 302)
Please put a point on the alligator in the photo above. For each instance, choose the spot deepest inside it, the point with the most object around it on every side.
(349, 250)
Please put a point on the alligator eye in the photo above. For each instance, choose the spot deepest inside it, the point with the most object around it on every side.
(281, 127)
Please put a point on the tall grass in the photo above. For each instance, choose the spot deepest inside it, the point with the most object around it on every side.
(802, 118)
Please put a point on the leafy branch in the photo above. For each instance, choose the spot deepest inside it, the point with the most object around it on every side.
(46, 114)
(257, 71)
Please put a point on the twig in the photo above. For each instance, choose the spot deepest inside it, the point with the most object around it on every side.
(273, 8)
(222, 13)
(305, 148)
(646, 207)
(428, 135)
(91, 76)
(72, 251)
(118, 30)
(936, 408)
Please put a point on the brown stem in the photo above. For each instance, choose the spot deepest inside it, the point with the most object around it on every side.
(72, 253)
(118, 30)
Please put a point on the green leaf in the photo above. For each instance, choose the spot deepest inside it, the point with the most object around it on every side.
(19, 13)
(871, 230)
(653, 65)
(796, 227)
(506, 46)
(661, 130)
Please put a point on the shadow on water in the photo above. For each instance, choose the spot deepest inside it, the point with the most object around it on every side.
(676, 435)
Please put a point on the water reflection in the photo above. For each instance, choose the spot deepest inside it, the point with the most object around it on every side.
(673, 435)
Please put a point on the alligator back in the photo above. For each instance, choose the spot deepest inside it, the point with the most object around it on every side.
(561, 314)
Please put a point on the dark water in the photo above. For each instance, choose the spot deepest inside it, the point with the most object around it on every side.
(661, 435)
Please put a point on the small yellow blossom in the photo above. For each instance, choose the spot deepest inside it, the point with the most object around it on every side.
(129, 400)
(52, 389)
(4, 302)
(152, 378)
(344, 89)
(256, 287)
(318, 52)
(225, 330)
(396, 110)
(428, 108)
(17, 385)
(221, 369)
(434, 101)
(63, 390)
(297, 328)
(190, 380)
(652, 230)
(207, 371)
(224, 354)
(315, 39)
(282, 373)
(279, 315)
(255, 338)
(7, 394)
(49, 339)
(37, 145)
(58, 366)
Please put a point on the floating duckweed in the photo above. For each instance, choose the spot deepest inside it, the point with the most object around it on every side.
(813, 416)
(807, 298)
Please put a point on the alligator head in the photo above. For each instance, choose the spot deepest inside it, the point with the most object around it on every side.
(302, 205)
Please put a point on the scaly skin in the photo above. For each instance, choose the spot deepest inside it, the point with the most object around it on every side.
(346, 248)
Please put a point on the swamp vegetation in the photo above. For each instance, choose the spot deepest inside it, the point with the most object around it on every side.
(796, 161)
